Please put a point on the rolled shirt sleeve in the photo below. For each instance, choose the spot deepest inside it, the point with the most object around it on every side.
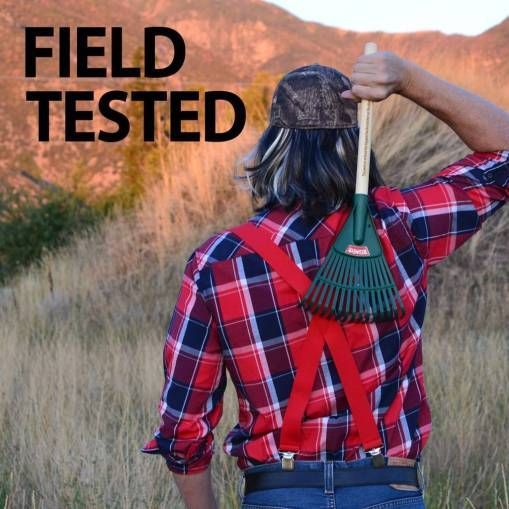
(449, 208)
(191, 402)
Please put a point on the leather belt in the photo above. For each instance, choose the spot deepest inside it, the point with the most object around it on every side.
(342, 477)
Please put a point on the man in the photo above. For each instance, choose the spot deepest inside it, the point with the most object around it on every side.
(234, 312)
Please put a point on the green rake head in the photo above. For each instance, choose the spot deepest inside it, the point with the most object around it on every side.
(355, 283)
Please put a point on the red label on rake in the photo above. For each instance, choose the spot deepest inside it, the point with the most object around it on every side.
(357, 250)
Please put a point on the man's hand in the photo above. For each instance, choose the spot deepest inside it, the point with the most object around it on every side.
(482, 125)
(378, 75)
(196, 490)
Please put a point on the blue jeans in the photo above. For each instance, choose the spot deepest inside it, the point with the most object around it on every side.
(374, 496)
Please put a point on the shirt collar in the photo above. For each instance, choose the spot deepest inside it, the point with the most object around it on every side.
(289, 225)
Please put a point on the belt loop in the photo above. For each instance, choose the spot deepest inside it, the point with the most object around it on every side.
(328, 471)
(420, 476)
(241, 486)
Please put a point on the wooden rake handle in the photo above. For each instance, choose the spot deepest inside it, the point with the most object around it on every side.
(365, 121)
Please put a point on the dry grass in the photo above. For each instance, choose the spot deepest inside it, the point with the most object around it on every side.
(81, 341)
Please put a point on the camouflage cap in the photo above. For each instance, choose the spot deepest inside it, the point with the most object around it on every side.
(309, 97)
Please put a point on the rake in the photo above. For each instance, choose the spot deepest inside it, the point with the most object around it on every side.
(354, 283)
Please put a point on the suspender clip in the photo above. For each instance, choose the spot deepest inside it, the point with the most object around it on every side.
(377, 458)
(287, 460)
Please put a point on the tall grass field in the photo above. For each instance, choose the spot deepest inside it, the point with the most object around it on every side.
(82, 333)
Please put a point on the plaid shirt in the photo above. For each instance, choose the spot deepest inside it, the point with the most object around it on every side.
(235, 314)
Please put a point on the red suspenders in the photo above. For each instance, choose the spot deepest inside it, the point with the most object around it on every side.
(307, 358)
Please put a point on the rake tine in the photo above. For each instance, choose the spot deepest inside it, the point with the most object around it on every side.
(312, 296)
(338, 290)
(355, 290)
(328, 283)
(328, 288)
(377, 281)
(342, 280)
(374, 308)
(333, 270)
(383, 284)
(331, 301)
(365, 282)
(349, 290)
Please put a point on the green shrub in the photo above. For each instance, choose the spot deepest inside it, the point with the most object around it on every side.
(30, 224)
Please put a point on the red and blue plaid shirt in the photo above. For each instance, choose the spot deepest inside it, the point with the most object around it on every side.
(235, 314)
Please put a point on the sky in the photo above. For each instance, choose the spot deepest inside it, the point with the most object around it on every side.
(448, 16)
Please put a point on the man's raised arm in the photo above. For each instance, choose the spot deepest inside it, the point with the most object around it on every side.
(482, 125)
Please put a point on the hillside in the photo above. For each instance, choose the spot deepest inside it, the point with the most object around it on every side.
(228, 43)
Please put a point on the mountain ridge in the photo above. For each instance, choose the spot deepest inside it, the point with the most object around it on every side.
(228, 44)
